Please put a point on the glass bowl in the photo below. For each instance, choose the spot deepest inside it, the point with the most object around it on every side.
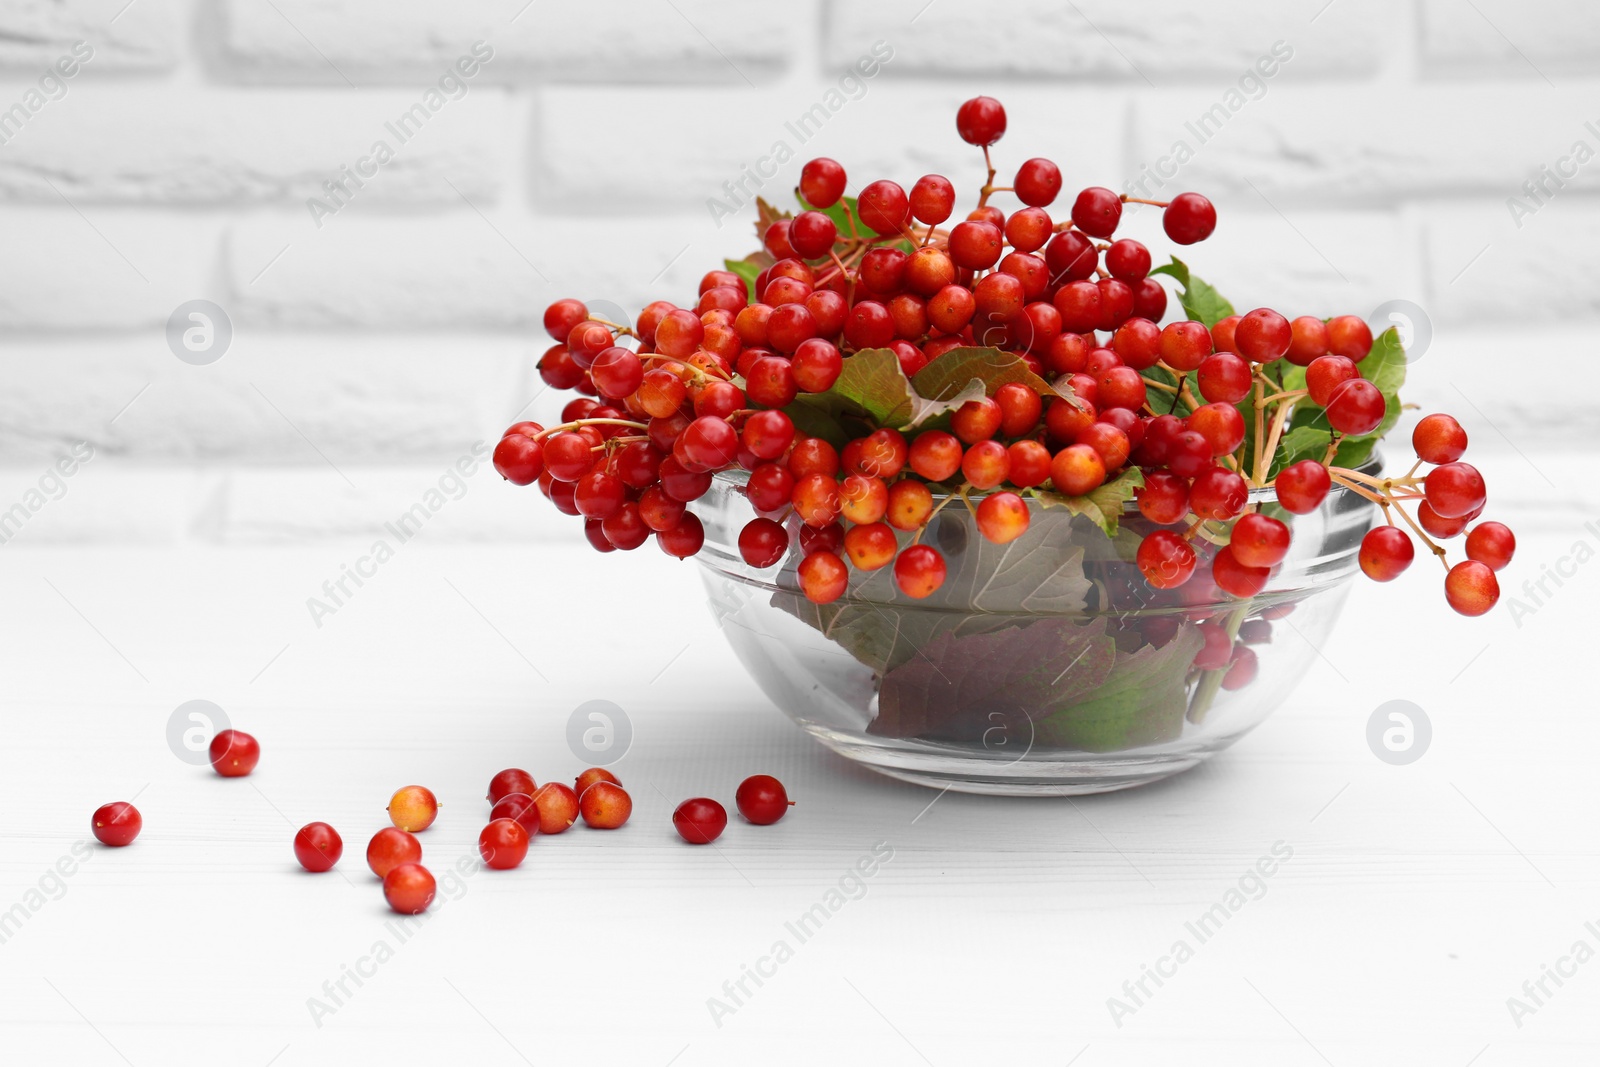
(1046, 666)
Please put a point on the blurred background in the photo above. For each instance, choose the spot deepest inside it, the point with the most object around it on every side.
(380, 307)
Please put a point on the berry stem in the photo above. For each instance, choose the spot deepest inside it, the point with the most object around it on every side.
(988, 183)
(1280, 419)
(617, 326)
(1358, 489)
(1261, 430)
(580, 423)
(1275, 397)
(1436, 549)
(850, 217)
(1205, 691)
(940, 506)
(1136, 200)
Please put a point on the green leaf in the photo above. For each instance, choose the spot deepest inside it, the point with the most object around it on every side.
(1385, 365)
(836, 212)
(1161, 402)
(1103, 506)
(1302, 442)
(1141, 702)
(871, 383)
(815, 420)
(746, 270)
(1200, 300)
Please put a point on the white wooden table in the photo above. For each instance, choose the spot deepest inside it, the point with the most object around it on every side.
(1417, 899)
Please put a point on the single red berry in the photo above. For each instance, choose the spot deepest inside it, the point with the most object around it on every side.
(1185, 344)
(389, 848)
(116, 824)
(1492, 544)
(1224, 378)
(1222, 334)
(1386, 552)
(762, 799)
(1471, 588)
(561, 316)
(812, 234)
(823, 576)
(1455, 490)
(1437, 525)
(1439, 438)
(1219, 494)
(503, 844)
(519, 459)
(981, 121)
(1219, 424)
(932, 198)
(884, 207)
(1308, 340)
(1097, 211)
(1188, 454)
(919, 571)
(700, 820)
(510, 781)
(1236, 579)
(1189, 218)
(1326, 374)
(1149, 299)
(617, 372)
(1350, 337)
(1164, 497)
(976, 245)
(822, 182)
(1078, 469)
(409, 888)
(605, 805)
(1259, 540)
(1356, 407)
(520, 808)
(234, 753)
(1028, 229)
(413, 808)
(1002, 517)
(318, 846)
(558, 807)
(1302, 486)
(1262, 336)
(1037, 183)
(1165, 559)
(1242, 668)
(684, 539)
(763, 542)
(591, 776)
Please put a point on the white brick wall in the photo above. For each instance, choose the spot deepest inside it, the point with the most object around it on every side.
(372, 350)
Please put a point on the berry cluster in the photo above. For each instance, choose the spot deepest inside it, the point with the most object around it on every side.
(1084, 392)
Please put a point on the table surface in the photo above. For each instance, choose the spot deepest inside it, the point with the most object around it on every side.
(1406, 904)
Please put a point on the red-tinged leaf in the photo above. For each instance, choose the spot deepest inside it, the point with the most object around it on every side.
(964, 687)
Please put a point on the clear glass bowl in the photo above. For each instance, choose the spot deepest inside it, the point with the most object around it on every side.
(1045, 667)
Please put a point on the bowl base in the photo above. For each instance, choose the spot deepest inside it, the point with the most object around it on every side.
(952, 769)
